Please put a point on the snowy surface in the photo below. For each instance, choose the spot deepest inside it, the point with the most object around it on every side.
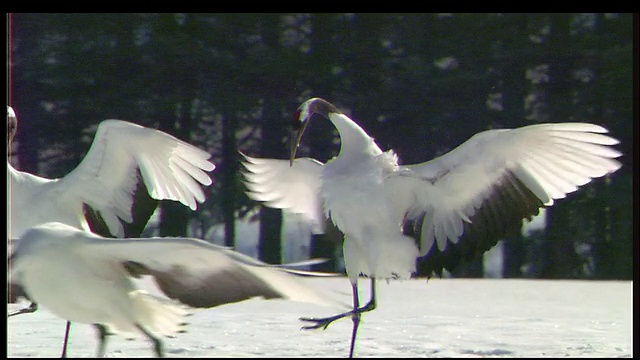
(439, 318)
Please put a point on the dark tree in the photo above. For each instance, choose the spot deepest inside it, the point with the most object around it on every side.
(512, 66)
(560, 258)
(25, 91)
(320, 135)
(421, 84)
(174, 85)
(270, 240)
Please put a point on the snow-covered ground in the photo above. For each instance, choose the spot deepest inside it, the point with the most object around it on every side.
(438, 318)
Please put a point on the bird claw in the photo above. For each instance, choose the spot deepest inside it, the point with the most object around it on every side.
(31, 308)
(320, 323)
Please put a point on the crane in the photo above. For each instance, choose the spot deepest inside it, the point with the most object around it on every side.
(83, 277)
(115, 188)
(453, 207)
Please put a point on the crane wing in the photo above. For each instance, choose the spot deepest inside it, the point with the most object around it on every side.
(107, 176)
(462, 203)
(201, 274)
(295, 187)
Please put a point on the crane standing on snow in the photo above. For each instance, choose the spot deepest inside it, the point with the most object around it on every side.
(456, 206)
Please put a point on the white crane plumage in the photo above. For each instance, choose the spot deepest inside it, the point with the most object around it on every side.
(83, 277)
(106, 178)
(123, 158)
(453, 207)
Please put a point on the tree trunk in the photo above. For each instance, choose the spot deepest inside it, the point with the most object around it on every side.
(320, 137)
(24, 94)
(173, 113)
(561, 259)
(270, 241)
(228, 171)
(514, 91)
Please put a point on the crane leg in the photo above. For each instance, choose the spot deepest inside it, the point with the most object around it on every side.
(355, 315)
(66, 340)
(102, 339)
(157, 343)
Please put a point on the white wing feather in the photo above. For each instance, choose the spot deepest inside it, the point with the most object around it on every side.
(280, 185)
(190, 268)
(551, 160)
(105, 179)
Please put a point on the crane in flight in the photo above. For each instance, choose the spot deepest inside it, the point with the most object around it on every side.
(115, 188)
(452, 208)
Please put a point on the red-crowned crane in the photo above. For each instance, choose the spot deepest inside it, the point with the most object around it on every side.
(83, 277)
(453, 207)
(115, 188)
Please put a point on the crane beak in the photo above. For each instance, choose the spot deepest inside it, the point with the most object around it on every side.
(296, 137)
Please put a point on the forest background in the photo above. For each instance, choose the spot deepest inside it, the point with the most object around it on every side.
(420, 84)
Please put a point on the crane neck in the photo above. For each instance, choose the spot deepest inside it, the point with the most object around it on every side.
(354, 140)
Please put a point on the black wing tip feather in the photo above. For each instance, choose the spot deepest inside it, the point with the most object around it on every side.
(142, 208)
(95, 221)
(499, 215)
(223, 287)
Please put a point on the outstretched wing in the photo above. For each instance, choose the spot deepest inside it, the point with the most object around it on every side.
(460, 204)
(107, 176)
(201, 274)
(294, 187)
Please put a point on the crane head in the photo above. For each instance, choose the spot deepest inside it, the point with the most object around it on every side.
(302, 117)
(300, 122)
(12, 122)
